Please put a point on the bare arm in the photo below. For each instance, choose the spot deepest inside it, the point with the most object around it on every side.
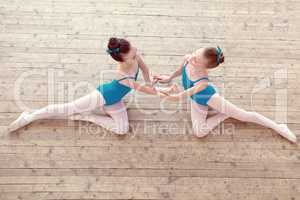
(145, 70)
(187, 93)
(178, 72)
(142, 88)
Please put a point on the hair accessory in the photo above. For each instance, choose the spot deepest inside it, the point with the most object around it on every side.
(219, 54)
(115, 50)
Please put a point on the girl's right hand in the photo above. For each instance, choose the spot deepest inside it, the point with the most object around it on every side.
(162, 78)
(162, 94)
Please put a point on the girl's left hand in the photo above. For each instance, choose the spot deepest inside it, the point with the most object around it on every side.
(162, 78)
(162, 94)
(154, 81)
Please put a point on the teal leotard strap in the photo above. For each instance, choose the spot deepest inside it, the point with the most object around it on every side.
(130, 77)
(137, 73)
(185, 64)
(200, 79)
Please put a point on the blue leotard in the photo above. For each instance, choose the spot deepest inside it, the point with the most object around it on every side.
(114, 91)
(204, 95)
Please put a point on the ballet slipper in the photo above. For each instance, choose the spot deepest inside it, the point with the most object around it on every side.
(287, 133)
(20, 122)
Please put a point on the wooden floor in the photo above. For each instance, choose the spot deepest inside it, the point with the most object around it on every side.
(54, 51)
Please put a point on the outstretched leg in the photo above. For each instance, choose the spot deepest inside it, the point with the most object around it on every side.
(116, 119)
(223, 106)
(203, 125)
(83, 104)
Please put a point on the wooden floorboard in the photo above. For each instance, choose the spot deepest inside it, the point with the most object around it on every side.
(59, 45)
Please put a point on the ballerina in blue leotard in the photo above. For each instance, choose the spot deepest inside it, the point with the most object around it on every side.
(194, 72)
(107, 97)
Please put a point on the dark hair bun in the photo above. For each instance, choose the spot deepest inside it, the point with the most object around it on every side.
(117, 47)
(113, 43)
(213, 56)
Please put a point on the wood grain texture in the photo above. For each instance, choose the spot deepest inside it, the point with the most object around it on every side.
(53, 51)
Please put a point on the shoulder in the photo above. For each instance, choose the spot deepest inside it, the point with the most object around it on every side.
(139, 58)
(120, 75)
(187, 57)
(202, 83)
(140, 62)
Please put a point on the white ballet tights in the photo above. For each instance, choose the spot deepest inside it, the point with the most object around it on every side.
(203, 125)
(115, 116)
(116, 121)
